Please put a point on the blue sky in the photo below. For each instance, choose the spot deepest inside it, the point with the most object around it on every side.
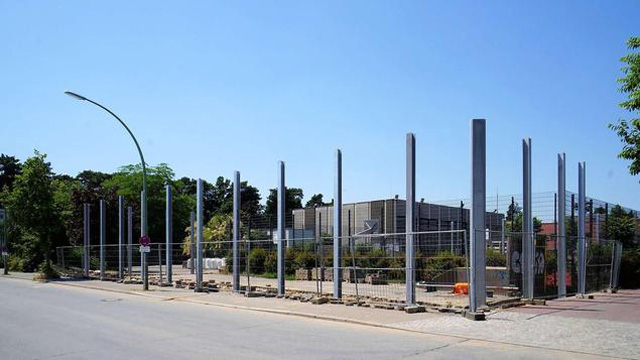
(211, 87)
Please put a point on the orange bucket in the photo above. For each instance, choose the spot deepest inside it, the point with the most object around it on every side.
(461, 288)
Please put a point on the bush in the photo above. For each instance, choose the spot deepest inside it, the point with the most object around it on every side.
(257, 258)
(495, 258)
(47, 272)
(630, 269)
(271, 263)
(16, 264)
(305, 259)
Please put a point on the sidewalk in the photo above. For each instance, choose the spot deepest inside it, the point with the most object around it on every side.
(608, 325)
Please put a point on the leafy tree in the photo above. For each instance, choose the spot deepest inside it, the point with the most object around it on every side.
(622, 226)
(10, 167)
(218, 197)
(215, 233)
(514, 219)
(316, 201)
(92, 179)
(629, 130)
(31, 204)
(293, 200)
(128, 183)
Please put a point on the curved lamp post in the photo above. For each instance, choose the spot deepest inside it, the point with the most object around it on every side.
(144, 177)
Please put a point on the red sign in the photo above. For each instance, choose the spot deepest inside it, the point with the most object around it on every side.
(145, 240)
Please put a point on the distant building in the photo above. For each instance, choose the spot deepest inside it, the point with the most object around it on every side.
(388, 217)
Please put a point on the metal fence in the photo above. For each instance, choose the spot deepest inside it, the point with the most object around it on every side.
(373, 266)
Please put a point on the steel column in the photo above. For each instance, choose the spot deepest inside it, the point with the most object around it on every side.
(144, 265)
(527, 257)
(502, 244)
(169, 234)
(410, 219)
(120, 236)
(103, 237)
(236, 231)
(192, 245)
(200, 225)
(561, 239)
(281, 227)
(582, 250)
(451, 235)
(337, 227)
(130, 239)
(477, 285)
(87, 240)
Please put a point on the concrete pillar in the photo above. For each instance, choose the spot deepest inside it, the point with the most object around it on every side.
(561, 239)
(200, 225)
(236, 231)
(87, 239)
(527, 258)
(169, 234)
(582, 246)
(410, 219)
(281, 227)
(103, 237)
(477, 286)
(130, 240)
(120, 236)
(337, 227)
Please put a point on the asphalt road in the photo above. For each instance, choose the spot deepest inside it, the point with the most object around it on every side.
(45, 321)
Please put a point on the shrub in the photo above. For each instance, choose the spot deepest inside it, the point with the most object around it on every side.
(257, 259)
(16, 264)
(630, 269)
(495, 258)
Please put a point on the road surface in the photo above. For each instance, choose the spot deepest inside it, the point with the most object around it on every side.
(52, 321)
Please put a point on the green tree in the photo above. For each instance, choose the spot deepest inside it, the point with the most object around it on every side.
(629, 130)
(293, 200)
(10, 167)
(128, 183)
(621, 227)
(32, 206)
(317, 200)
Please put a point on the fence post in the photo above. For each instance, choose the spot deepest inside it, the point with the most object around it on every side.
(410, 219)
(281, 229)
(236, 231)
(169, 236)
(87, 241)
(103, 235)
(617, 264)
(192, 247)
(477, 287)
(582, 260)
(561, 239)
(130, 239)
(528, 249)
(199, 210)
(337, 228)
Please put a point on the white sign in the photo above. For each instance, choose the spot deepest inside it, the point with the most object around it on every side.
(4, 253)
(145, 249)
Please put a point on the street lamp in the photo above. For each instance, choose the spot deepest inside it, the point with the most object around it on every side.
(144, 179)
